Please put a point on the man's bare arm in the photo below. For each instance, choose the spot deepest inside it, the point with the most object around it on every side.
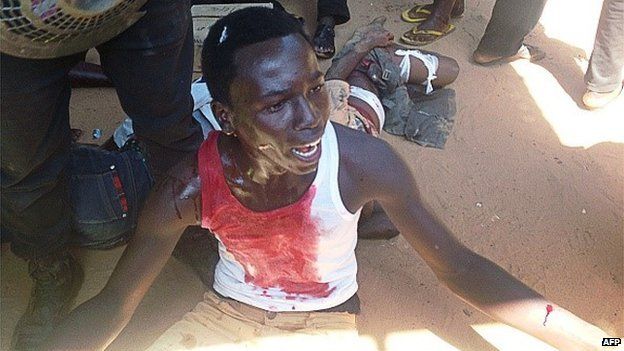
(376, 168)
(172, 205)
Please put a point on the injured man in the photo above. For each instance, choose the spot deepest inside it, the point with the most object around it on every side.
(282, 188)
(370, 67)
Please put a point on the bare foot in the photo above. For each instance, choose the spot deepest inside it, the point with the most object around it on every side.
(420, 13)
(438, 23)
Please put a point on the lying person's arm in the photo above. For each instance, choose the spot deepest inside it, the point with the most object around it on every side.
(169, 209)
(472, 277)
(355, 49)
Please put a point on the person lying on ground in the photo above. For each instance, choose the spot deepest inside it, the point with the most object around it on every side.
(282, 188)
(369, 67)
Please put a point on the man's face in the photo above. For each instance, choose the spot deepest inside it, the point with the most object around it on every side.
(279, 107)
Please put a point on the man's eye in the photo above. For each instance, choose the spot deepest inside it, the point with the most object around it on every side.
(276, 107)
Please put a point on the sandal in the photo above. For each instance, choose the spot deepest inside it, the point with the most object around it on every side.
(420, 13)
(420, 37)
(324, 39)
(416, 14)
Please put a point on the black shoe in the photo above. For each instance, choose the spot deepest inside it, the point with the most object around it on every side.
(324, 45)
(56, 281)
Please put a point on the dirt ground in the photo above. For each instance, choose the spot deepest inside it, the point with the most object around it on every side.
(528, 179)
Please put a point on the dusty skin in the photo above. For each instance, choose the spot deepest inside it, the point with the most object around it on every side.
(527, 179)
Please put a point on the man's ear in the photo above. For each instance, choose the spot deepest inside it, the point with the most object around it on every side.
(223, 115)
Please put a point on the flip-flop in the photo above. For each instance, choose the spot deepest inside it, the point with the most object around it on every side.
(420, 11)
(411, 36)
(324, 37)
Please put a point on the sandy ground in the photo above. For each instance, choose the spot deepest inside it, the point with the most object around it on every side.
(527, 179)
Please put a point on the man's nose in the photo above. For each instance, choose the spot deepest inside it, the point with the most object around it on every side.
(307, 115)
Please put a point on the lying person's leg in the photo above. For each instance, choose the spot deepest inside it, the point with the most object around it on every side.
(370, 50)
(417, 66)
(393, 66)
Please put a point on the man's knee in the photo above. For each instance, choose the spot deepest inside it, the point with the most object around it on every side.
(449, 69)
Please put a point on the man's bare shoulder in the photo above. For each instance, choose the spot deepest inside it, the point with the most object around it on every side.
(185, 170)
(183, 178)
(177, 195)
(362, 150)
(368, 166)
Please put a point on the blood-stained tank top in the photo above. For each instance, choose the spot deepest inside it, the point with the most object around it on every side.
(300, 257)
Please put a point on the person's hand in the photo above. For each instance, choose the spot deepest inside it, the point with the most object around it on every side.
(380, 38)
(374, 35)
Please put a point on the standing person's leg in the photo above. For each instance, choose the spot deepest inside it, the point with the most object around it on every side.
(151, 66)
(420, 13)
(329, 14)
(511, 21)
(35, 141)
(605, 72)
(435, 25)
(337, 9)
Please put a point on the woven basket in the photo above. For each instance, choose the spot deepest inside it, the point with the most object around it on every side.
(55, 28)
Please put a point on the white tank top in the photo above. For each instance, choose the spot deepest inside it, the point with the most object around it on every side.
(297, 258)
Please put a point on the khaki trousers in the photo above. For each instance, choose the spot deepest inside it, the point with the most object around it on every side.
(220, 324)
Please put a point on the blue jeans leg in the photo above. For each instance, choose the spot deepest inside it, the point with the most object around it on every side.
(606, 65)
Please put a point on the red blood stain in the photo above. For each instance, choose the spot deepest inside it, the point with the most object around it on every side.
(276, 248)
(549, 309)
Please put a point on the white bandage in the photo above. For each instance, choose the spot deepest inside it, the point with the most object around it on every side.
(371, 100)
(430, 62)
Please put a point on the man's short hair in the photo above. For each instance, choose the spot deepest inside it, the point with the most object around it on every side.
(235, 31)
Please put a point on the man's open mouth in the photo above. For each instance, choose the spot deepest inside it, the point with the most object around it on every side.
(307, 152)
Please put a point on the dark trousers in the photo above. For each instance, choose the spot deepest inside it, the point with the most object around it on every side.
(337, 9)
(605, 71)
(333, 8)
(151, 66)
(511, 21)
